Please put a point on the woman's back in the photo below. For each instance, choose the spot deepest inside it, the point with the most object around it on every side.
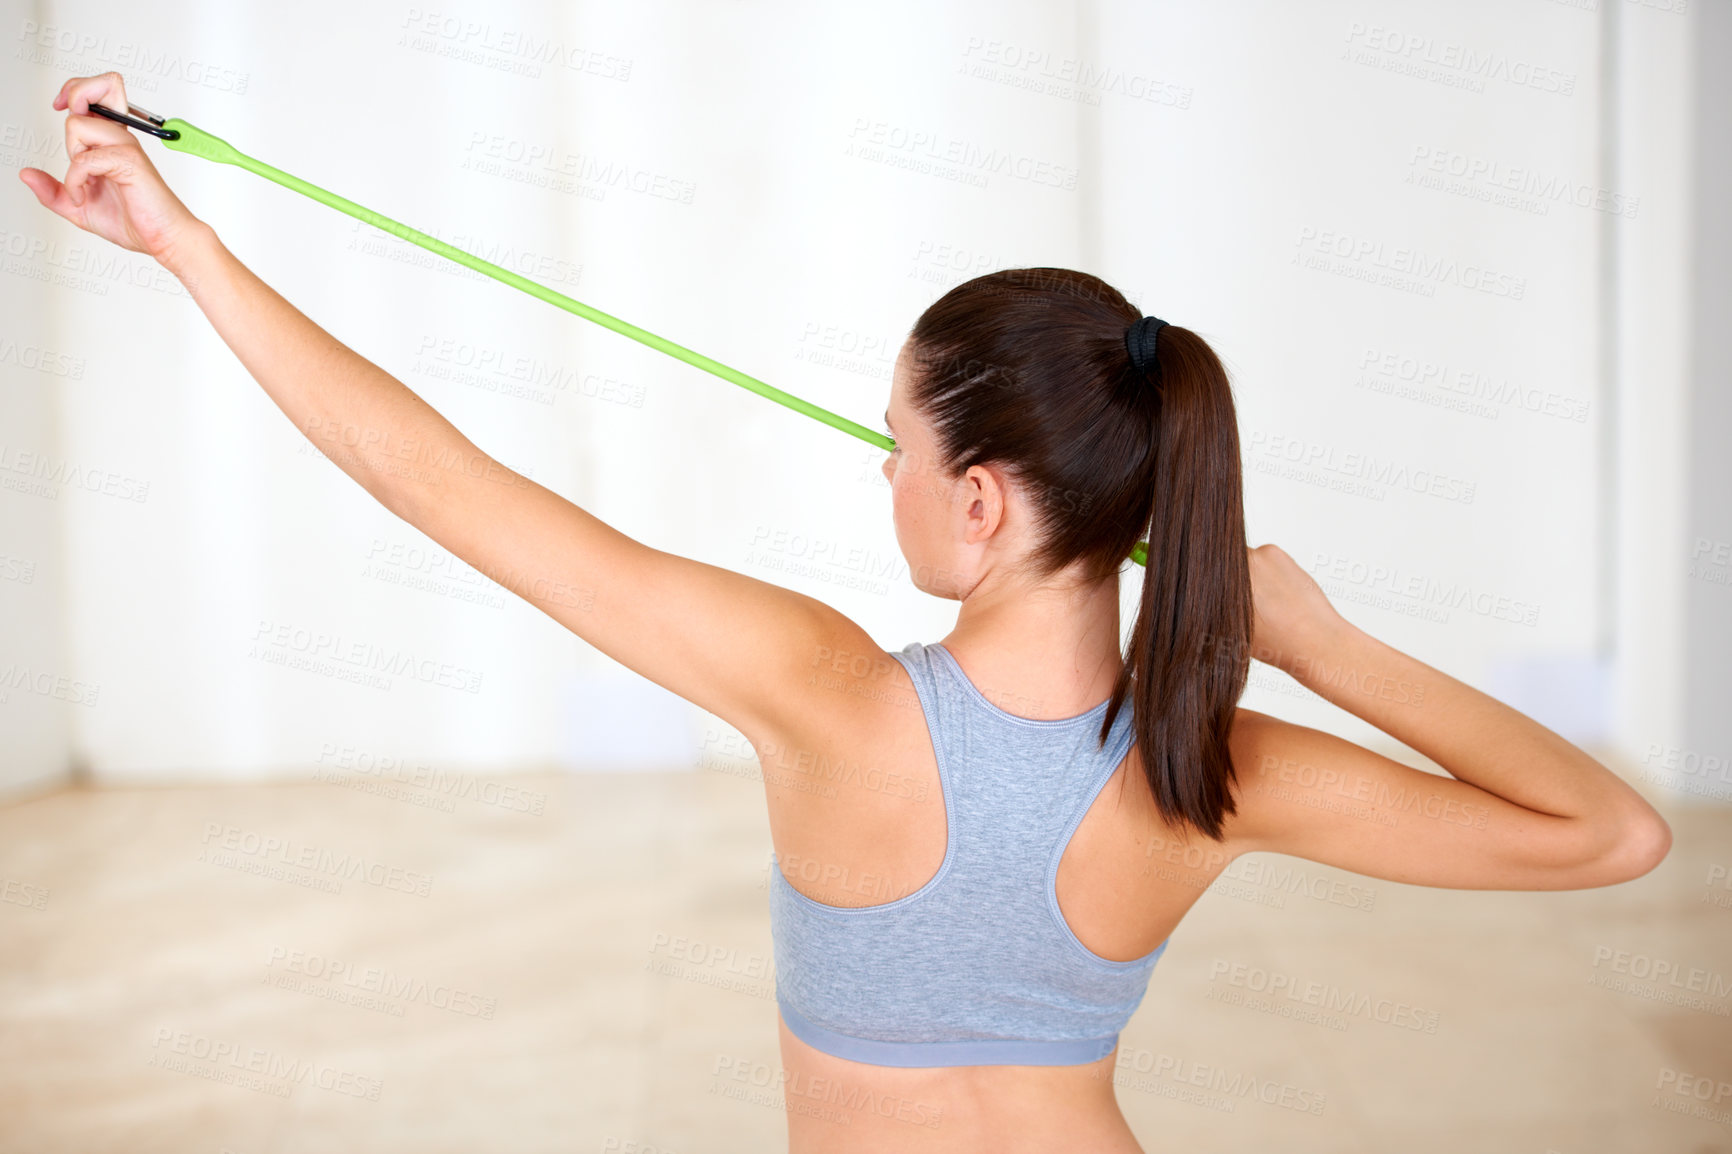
(950, 871)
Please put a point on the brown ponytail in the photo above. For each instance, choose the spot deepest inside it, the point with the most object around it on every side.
(1027, 368)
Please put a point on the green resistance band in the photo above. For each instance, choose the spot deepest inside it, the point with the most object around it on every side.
(177, 134)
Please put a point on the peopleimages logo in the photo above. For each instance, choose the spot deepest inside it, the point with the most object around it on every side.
(253, 1067)
(287, 968)
(1495, 176)
(143, 66)
(1661, 980)
(931, 153)
(233, 847)
(282, 643)
(1368, 259)
(1427, 58)
(1322, 1003)
(46, 476)
(1360, 473)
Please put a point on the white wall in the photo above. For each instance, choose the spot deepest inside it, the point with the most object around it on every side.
(1708, 657)
(1653, 365)
(41, 690)
(1213, 153)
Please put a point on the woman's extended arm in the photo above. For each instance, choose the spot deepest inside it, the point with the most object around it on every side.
(1525, 809)
(733, 645)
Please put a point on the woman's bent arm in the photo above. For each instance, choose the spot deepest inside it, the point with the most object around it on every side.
(1524, 809)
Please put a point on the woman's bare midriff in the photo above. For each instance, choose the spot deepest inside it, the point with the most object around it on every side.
(840, 1107)
(1124, 883)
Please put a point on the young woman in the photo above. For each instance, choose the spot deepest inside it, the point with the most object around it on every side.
(1014, 819)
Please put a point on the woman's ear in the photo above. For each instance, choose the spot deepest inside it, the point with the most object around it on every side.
(983, 503)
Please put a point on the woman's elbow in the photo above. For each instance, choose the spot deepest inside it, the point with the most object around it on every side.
(1641, 842)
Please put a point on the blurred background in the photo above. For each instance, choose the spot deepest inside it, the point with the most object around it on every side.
(1468, 266)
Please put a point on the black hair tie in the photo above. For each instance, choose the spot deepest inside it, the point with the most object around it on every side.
(1140, 342)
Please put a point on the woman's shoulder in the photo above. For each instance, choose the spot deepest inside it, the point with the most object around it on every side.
(846, 682)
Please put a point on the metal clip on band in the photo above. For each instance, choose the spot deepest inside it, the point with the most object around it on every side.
(150, 122)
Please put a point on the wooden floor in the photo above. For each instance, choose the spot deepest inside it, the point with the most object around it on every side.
(366, 966)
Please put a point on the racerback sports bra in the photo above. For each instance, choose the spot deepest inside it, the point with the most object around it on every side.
(977, 967)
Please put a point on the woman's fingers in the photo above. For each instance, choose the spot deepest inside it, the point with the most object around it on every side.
(117, 162)
(48, 190)
(1287, 602)
(53, 195)
(84, 132)
(79, 93)
(84, 129)
(80, 198)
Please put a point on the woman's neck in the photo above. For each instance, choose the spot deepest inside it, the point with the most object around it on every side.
(1053, 648)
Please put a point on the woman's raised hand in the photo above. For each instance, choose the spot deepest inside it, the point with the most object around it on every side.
(111, 189)
(1292, 614)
